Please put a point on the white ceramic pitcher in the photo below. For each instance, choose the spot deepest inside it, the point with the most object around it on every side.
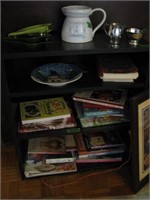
(77, 26)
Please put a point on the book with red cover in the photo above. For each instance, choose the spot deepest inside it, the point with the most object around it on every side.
(111, 98)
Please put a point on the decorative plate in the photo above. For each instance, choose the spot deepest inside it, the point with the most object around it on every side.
(56, 74)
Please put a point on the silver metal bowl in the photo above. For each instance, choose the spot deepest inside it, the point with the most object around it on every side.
(134, 35)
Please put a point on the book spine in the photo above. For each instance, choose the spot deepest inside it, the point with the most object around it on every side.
(99, 160)
(90, 154)
(81, 147)
(97, 102)
(96, 121)
(59, 160)
(101, 113)
(91, 105)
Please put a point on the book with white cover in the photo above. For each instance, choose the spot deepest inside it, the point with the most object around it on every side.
(40, 169)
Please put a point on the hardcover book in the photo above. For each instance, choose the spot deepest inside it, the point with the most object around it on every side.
(70, 143)
(101, 152)
(40, 169)
(101, 159)
(69, 122)
(91, 105)
(50, 158)
(47, 145)
(110, 98)
(98, 140)
(101, 112)
(44, 110)
(84, 152)
(116, 67)
(97, 120)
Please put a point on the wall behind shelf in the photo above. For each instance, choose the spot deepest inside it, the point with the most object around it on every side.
(18, 14)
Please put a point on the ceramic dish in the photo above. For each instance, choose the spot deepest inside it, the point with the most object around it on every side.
(27, 46)
(56, 74)
(40, 29)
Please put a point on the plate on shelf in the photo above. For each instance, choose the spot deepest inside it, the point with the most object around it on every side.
(56, 74)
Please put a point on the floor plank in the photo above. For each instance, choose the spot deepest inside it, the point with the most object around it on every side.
(67, 186)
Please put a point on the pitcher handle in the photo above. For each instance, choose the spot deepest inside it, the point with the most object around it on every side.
(101, 23)
(105, 28)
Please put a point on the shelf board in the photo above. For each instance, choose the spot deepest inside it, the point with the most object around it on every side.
(100, 44)
(74, 130)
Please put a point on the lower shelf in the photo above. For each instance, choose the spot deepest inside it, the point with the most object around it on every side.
(97, 184)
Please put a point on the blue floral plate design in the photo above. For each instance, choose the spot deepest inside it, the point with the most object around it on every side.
(56, 74)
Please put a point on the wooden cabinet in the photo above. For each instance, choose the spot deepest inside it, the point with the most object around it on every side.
(18, 64)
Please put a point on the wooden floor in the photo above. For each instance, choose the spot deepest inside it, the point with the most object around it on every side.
(68, 186)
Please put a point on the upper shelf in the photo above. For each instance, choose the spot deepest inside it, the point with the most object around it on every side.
(57, 47)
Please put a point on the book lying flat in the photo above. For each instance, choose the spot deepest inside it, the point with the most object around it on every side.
(97, 120)
(50, 158)
(117, 80)
(101, 159)
(84, 152)
(91, 154)
(110, 98)
(116, 66)
(101, 140)
(101, 111)
(69, 122)
(44, 110)
(40, 169)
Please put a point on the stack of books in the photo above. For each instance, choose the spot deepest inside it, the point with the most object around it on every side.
(50, 155)
(96, 108)
(45, 114)
(117, 68)
(100, 147)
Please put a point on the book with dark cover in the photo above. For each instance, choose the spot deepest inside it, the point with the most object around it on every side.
(115, 66)
(84, 152)
(109, 139)
(44, 110)
(110, 98)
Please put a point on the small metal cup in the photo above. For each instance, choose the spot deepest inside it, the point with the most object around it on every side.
(134, 35)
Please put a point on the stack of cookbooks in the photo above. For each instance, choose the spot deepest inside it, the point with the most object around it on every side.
(117, 68)
(50, 155)
(45, 114)
(100, 147)
(96, 108)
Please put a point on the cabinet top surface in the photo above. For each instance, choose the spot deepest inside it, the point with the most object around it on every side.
(57, 47)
